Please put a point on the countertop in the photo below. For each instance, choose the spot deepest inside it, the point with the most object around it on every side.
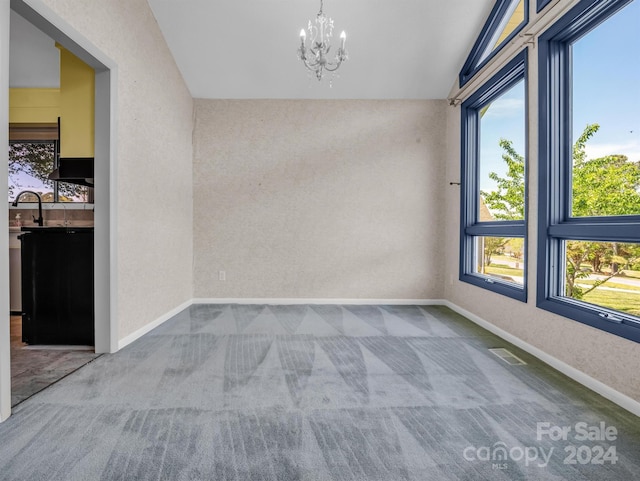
(50, 229)
(58, 226)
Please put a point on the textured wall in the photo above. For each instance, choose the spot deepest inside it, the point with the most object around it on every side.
(608, 358)
(154, 157)
(318, 199)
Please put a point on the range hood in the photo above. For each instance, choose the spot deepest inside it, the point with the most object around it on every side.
(75, 170)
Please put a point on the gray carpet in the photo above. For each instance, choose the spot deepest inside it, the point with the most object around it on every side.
(387, 393)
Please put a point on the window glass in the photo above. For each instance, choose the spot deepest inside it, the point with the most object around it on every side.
(493, 218)
(512, 20)
(30, 163)
(606, 274)
(506, 18)
(500, 258)
(72, 193)
(501, 162)
(606, 117)
(542, 4)
(589, 154)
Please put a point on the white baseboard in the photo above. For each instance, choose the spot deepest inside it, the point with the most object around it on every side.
(294, 301)
(608, 392)
(125, 341)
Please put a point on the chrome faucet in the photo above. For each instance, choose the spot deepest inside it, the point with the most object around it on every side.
(39, 220)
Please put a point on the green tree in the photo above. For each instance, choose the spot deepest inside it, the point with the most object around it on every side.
(36, 159)
(490, 246)
(604, 186)
(507, 201)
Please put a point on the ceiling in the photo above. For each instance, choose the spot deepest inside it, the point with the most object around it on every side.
(398, 49)
(34, 60)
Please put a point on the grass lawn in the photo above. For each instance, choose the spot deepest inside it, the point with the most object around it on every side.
(634, 274)
(611, 284)
(502, 270)
(625, 272)
(628, 302)
(620, 301)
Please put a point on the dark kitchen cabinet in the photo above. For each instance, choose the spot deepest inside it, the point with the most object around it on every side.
(57, 285)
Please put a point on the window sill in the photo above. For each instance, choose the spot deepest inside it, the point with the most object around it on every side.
(591, 316)
(507, 289)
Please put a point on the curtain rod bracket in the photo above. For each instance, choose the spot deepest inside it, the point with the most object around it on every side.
(530, 39)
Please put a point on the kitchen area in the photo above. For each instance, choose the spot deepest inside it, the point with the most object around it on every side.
(51, 211)
(51, 301)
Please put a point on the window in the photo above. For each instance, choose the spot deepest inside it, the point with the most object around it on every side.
(493, 249)
(505, 20)
(542, 4)
(29, 164)
(589, 146)
(33, 156)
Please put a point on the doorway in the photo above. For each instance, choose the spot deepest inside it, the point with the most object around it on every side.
(104, 212)
(33, 368)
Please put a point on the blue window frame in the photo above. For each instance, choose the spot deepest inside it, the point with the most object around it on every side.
(502, 231)
(558, 223)
(542, 4)
(496, 33)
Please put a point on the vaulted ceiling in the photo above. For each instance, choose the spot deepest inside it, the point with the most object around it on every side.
(398, 49)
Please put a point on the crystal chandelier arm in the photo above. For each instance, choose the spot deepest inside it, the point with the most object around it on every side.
(341, 56)
(311, 64)
(332, 67)
(312, 61)
(313, 33)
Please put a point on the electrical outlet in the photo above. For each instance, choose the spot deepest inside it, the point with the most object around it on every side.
(222, 276)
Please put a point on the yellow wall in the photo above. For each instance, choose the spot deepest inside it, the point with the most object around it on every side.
(516, 19)
(73, 102)
(34, 105)
(77, 97)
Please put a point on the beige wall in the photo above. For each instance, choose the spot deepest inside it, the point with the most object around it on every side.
(154, 157)
(607, 358)
(318, 199)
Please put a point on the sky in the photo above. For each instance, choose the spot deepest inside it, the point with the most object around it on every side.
(606, 91)
(504, 119)
(606, 86)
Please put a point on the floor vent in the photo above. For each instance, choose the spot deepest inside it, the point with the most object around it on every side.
(507, 356)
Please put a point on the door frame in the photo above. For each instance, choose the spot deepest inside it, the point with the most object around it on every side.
(105, 241)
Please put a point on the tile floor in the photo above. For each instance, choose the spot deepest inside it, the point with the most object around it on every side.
(33, 368)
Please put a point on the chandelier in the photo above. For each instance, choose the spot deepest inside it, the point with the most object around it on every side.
(316, 57)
